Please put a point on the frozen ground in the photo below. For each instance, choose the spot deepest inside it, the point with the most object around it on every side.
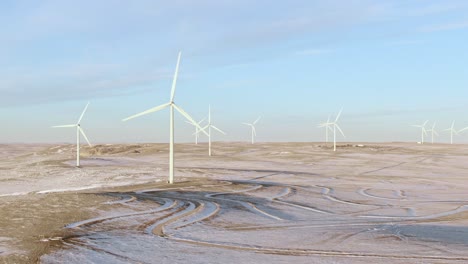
(266, 203)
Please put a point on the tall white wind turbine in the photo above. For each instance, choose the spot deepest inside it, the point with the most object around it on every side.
(197, 131)
(423, 130)
(79, 131)
(210, 126)
(171, 106)
(336, 126)
(433, 132)
(252, 126)
(452, 131)
(327, 126)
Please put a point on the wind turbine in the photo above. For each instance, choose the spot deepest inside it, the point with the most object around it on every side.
(172, 106)
(210, 126)
(254, 132)
(327, 127)
(433, 132)
(423, 130)
(452, 131)
(336, 126)
(79, 131)
(197, 134)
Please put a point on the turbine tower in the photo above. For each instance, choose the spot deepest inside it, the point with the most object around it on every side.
(336, 126)
(197, 131)
(252, 125)
(452, 131)
(327, 127)
(210, 126)
(79, 131)
(433, 132)
(423, 130)
(171, 106)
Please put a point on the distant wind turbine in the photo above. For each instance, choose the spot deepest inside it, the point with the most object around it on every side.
(433, 132)
(252, 126)
(423, 130)
(197, 131)
(79, 131)
(210, 126)
(172, 106)
(336, 126)
(452, 131)
(327, 126)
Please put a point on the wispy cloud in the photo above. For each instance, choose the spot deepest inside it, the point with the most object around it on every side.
(436, 8)
(405, 42)
(401, 112)
(138, 34)
(446, 27)
(80, 81)
(313, 52)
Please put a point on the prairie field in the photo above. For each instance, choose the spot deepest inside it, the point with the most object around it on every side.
(260, 203)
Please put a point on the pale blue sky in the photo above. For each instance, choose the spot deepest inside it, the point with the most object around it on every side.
(390, 64)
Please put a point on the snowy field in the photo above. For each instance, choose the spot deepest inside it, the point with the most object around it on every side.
(262, 203)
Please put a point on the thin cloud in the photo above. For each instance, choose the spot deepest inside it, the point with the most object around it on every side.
(405, 42)
(437, 8)
(446, 27)
(52, 84)
(313, 52)
(400, 112)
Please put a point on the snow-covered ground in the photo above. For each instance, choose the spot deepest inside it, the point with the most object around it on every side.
(262, 203)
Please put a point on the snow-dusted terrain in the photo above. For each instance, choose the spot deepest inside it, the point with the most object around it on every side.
(262, 203)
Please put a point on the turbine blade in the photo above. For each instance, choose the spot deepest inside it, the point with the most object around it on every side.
(84, 135)
(463, 129)
(201, 121)
(151, 110)
(339, 114)
(324, 125)
(64, 126)
(254, 131)
(258, 119)
(424, 124)
(339, 129)
(174, 81)
(247, 124)
(219, 130)
(196, 133)
(82, 113)
(182, 112)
